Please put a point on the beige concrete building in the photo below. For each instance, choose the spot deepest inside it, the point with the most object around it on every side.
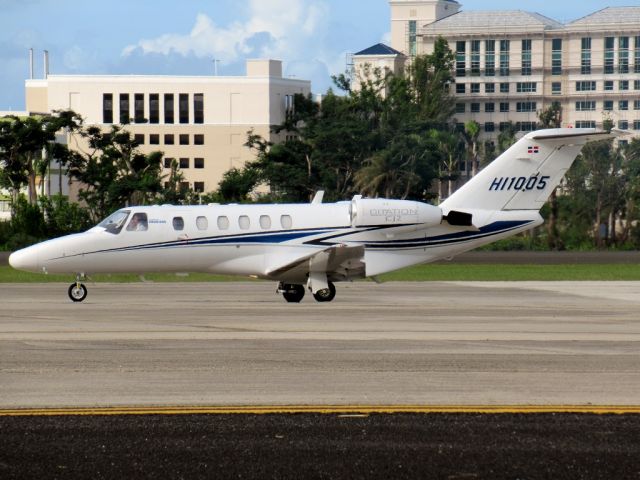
(201, 122)
(512, 64)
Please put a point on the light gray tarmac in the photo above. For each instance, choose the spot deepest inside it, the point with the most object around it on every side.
(436, 343)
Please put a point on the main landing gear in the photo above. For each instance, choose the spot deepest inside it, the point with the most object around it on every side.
(77, 291)
(294, 293)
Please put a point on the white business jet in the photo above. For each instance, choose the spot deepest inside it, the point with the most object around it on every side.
(311, 246)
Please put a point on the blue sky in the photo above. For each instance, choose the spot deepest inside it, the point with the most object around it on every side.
(183, 37)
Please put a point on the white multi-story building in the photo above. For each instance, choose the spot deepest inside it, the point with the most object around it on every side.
(510, 65)
(201, 122)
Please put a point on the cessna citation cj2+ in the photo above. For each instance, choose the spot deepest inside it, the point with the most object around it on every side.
(311, 246)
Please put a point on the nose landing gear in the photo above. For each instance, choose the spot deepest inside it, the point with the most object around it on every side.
(77, 291)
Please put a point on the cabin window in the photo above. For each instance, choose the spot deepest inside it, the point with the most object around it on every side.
(138, 223)
(223, 223)
(178, 223)
(202, 223)
(244, 222)
(265, 222)
(114, 222)
(286, 222)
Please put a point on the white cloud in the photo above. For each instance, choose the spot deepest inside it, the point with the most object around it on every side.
(291, 26)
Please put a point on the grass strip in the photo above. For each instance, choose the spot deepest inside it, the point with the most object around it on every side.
(420, 273)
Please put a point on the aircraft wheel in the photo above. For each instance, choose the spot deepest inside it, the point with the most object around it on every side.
(77, 292)
(293, 293)
(326, 294)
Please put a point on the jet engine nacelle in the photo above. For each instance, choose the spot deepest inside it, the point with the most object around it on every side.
(379, 211)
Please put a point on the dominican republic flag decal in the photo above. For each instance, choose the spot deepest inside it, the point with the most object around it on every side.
(534, 149)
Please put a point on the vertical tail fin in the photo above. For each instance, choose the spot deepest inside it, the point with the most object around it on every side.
(524, 176)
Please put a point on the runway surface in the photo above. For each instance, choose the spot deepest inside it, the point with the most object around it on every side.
(525, 343)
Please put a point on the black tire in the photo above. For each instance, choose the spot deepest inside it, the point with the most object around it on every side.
(77, 292)
(326, 294)
(293, 293)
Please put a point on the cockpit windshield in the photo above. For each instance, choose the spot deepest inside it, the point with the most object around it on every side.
(114, 222)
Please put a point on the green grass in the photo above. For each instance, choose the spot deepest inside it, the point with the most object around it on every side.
(421, 273)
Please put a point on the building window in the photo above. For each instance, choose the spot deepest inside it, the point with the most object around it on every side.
(489, 107)
(489, 88)
(505, 46)
(169, 139)
(504, 87)
(556, 88)
(184, 163)
(623, 124)
(198, 139)
(525, 87)
(124, 108)
(636, 124)
(636, 55)
(607, 105)
(198, 108)
(413, 38)
(475, 87)
(585, 124)
(636, 104)
(526, 57)
(184, 186)
(586, 106)
(608, 85)
(623, 54)
(525, 107)
(183, 107)
(609, 43)
(168, 108)
(460, 87)
(475, 107)
(168, 162)
(585, 86)
(107, 108)
(139, 138)
(461, 65)
(623, 85)
(556, 56)
(198, 187)
(504, 107)
(504, 126)
(138, 105)
(636, 84)
(154, 139)
(154, 108)
(489, 127)
(526, 126)
(475, 58)
(585, 58)
(460, 107)
(198, 163)
(184, 138)
(490, 58)
(623, 105)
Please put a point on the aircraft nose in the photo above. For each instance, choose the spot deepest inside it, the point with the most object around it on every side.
(25, 259)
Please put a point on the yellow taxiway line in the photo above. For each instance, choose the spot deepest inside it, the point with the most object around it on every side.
(326, 409)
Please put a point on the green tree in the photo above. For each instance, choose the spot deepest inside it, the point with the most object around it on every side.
(113, 173)
(22, 143)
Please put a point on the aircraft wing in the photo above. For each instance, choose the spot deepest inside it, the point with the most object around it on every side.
(339, 262)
